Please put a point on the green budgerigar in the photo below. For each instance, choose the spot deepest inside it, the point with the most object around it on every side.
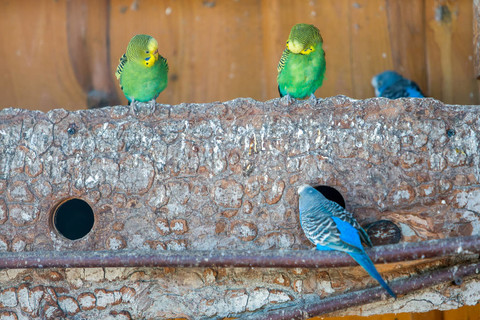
(302, 66)
(142, 72)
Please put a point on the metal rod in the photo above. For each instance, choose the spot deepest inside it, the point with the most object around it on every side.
(361, 297)
(250, 258)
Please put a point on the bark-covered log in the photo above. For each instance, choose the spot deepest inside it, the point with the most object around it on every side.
(224, 176)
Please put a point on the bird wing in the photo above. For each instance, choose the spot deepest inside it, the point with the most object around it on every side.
(120, 66)
(322, 229)
(164, 61)
(338, 211)
(283, 60)
(402, 88)
(414, 91)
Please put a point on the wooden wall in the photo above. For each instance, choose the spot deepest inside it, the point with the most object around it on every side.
(464, 313)
(58, 53)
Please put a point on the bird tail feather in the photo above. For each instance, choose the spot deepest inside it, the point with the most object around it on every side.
(363, 260)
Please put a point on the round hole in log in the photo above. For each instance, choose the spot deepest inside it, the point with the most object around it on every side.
(73, 218)
(331, 194)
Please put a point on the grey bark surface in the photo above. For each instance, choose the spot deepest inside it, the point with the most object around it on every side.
(224, 176)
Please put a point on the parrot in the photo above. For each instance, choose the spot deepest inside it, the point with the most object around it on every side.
(302, 65)
(330, 227)
(142, 71)
(390, 84)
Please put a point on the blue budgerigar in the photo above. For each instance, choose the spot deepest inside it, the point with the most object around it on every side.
(330, 227)
(390, 84)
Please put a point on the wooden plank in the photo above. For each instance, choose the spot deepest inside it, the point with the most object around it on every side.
(370, 44)
(238, 48)
(36, 69)
(464, 313)
(89, 50)
(431, 315)
(56, 52)
(406, 27)
(390, 316)
(213, 48)
(450, 52)
(329, 16)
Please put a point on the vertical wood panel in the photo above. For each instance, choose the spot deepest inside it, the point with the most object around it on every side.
(56, 52)
(35, 55)
(432, 315)
(406, 27)
(89, 50)
(390, 316)
(464, 313)
(449, 52)
(213, 48)
(329, 16)
(370, 44)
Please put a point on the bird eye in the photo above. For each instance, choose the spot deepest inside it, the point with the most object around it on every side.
(147, 51)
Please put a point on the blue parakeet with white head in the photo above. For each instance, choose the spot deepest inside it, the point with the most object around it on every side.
(390, 84)
(330, 227)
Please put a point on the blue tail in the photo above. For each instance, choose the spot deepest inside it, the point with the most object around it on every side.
(367, 264)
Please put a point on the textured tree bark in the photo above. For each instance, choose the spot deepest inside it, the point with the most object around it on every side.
(224, 176)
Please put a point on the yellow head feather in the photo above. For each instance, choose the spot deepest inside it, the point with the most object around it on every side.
(303, 38)
(143, 49)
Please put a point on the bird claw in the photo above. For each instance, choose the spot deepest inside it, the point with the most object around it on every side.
(134, 105)
(152, 105)
(287, 100)
(312, 98)
(138, 106)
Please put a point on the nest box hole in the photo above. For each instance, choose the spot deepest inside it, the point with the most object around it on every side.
(331, 194)
(73, 218)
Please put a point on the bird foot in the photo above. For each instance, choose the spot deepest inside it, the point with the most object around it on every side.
(134, 106)
(152, 105)
(287, 100)
(312, 100)
(145, 108)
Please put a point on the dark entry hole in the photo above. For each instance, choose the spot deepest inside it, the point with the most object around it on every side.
(331, 194)
(73, 218)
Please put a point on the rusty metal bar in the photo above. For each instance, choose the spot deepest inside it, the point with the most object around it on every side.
(361, 297)
(266, 258)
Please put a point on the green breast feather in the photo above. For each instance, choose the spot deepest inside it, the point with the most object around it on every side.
(141, 83)
(300, 75)
(302, 66)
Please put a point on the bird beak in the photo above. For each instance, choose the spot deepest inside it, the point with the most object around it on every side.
(155, 54)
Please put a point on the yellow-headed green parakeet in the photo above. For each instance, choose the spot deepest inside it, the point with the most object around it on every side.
(302, 66)
(142, 71)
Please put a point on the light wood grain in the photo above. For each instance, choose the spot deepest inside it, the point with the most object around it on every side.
(463, 313)
(450, 67)
(36, 69)
(56, 52)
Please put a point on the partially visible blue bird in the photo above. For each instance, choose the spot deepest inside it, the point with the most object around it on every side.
(330, 227)
(390, 84)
